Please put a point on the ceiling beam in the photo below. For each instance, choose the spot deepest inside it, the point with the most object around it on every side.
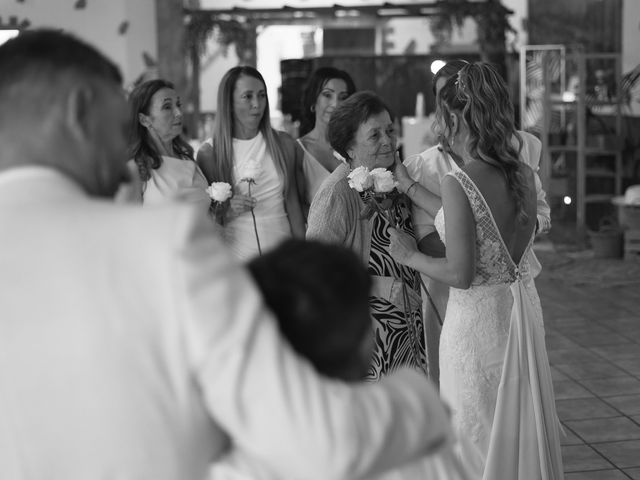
(335, 12)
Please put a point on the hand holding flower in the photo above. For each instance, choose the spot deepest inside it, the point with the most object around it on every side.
(251, 170)
(402, 246)
(219, 192)
(240, 204)
(379, 189)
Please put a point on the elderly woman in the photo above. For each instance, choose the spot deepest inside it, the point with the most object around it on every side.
(163, 159)
(266, 210)
(361, 130)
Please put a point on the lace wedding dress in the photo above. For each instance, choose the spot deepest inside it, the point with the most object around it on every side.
(494, 370)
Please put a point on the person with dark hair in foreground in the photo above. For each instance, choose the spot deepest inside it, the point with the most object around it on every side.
(319, 294)
(132, 344)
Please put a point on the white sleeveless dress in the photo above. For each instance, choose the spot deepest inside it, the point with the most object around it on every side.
(272, 222)
(314, 173)
(494, 370)
(177, 179)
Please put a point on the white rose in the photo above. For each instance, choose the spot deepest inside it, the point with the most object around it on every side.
(219, 191)
(360, 179)
(383, 180)
(251, 170)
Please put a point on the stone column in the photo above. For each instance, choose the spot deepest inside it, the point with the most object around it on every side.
(172, 51)
(173, 55)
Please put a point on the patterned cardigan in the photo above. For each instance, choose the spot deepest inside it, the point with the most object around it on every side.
(334, 216)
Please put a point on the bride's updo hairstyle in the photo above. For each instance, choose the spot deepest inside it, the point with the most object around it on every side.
(480, 96)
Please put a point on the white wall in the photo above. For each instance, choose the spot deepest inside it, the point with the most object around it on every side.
(210, 76)
(97, 24)
(141, 36)
(275, 43)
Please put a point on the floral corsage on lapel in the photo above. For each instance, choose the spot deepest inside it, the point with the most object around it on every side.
(378, 190)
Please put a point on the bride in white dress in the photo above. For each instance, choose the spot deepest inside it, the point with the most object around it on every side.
(494, 370)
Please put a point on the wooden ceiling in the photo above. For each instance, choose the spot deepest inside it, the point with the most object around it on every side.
(309, 11)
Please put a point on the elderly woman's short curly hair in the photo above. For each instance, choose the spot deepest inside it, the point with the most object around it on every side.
(349, 115)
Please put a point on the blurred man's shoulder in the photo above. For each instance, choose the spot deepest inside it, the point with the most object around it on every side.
(170, 223)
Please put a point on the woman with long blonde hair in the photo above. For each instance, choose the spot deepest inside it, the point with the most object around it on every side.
(494, 370)
(264, 208)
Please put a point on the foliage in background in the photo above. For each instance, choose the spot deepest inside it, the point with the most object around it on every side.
(492, 23)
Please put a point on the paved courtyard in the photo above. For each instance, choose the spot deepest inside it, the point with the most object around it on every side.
(593, 340)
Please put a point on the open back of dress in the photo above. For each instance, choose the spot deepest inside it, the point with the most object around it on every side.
(494, 370)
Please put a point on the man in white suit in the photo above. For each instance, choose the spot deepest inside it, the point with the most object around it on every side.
(131, 345)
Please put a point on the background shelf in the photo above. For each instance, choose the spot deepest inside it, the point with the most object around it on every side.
(572, 102)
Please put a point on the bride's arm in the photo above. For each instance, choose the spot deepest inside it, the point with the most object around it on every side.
(457, 268)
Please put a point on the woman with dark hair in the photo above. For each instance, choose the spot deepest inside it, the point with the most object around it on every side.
(319, 294)
(267, 207)
(361, 130)
(326, 89)
(163, 159)
(494, 370)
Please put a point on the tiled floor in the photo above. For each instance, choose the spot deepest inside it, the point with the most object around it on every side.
(593, 340)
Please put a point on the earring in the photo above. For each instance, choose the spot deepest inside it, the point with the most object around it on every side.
(313, 108)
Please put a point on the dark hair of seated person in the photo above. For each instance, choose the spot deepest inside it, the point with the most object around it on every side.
(319, 294)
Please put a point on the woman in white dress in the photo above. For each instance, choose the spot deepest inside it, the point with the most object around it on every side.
(242, 140)
(163, 159)
(327, 88)
(494, 370)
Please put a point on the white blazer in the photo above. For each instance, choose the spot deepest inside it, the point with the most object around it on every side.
(130, 341)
